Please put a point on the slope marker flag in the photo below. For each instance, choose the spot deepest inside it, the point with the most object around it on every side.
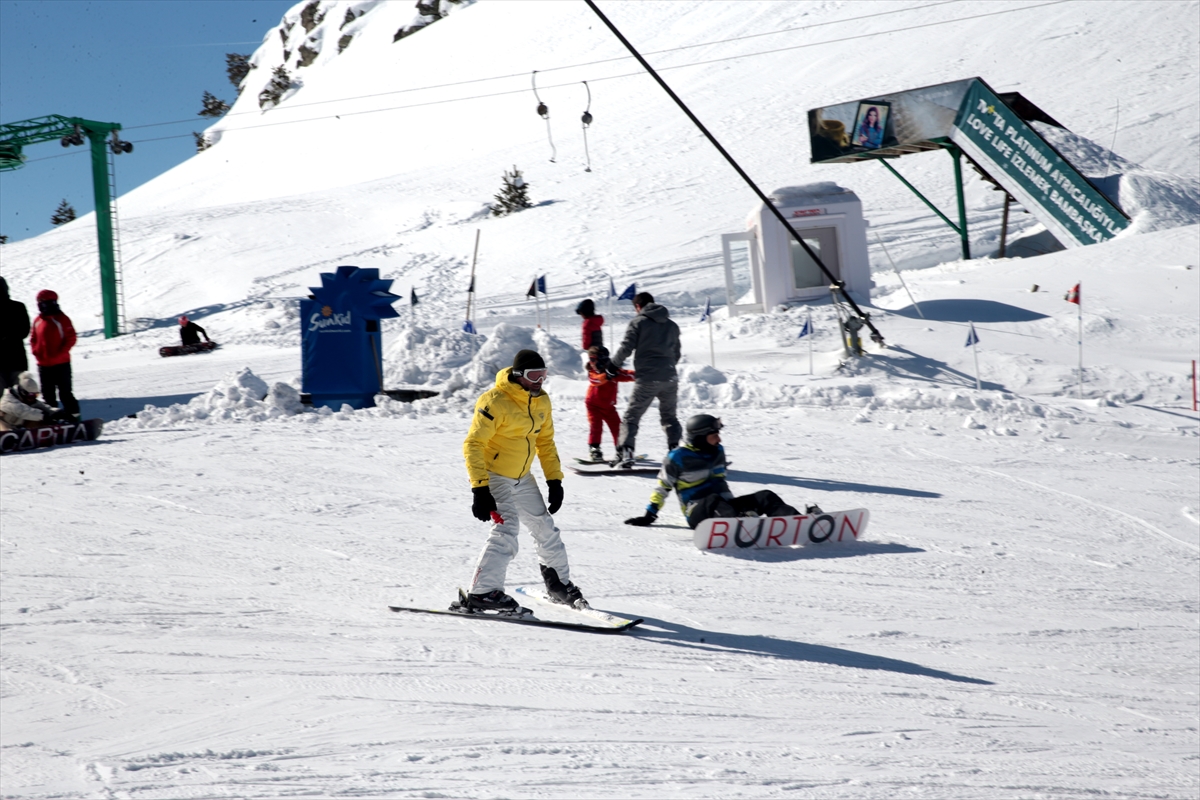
(972, 341)
(1075, 295)
(412, 298)
(707, 316)
(612, 287)
(629, 293)
(807, 331)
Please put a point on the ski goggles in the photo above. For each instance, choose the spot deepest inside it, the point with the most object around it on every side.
(532, 375)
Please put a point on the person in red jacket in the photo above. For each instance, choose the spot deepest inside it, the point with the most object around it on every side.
(51, 341)
(593, 324)
(601, 399)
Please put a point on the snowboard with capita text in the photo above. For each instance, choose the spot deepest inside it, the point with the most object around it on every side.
(827, 528)
(186, 349)
(23, 439)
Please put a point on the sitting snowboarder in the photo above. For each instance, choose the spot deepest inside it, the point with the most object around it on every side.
(697, 471)
(190, 332)
(20, 407)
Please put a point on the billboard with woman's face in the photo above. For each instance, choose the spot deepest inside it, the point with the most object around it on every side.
(901, 120)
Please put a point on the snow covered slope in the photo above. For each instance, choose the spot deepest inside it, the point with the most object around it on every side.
(195, 605)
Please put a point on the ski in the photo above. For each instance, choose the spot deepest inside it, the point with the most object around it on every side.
(822, 528)
(539, 595)
(520, 619)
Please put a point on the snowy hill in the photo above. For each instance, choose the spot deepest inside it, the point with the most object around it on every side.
(195, 605)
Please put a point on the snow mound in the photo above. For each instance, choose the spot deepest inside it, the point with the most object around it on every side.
(505, 340)
(240, 396)
(420, 355)
(1154, 201)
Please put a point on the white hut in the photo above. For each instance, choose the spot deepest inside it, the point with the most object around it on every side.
(767, 261)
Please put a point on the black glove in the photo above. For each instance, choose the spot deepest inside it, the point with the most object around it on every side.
(59, 417)
(644, 521)
(554, 490)
(482, 503)
(610, 370)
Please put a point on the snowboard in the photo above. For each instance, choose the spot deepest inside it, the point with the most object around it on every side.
(186, 349)
(586, 623)
(50, 436)
(828, 528)
(602, 618)
(642, 465)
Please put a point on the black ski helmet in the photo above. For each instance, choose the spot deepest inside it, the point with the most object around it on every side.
(586, 308)
(702, 425)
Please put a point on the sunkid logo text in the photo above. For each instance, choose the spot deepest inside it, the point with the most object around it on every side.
(319, 322)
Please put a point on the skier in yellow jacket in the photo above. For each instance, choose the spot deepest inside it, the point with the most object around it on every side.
(512, 423)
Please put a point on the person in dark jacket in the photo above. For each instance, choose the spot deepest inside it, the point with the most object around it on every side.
(697, 472)
(653, 338)
(51, 341)
(14, 328)
(593, 324)
(190, 332)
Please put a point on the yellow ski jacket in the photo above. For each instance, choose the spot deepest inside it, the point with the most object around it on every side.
(508, 427)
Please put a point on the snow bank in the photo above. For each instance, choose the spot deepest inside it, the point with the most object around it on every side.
(240, 396)
(1154, 201)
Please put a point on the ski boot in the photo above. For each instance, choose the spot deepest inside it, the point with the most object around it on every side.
(566, 593)
(624, 458)
(595, 453)
(495, 600)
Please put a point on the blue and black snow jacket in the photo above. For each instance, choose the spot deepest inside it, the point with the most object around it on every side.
(692, 473)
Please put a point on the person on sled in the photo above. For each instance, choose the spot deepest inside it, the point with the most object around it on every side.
(696, 470)
(511, 423)
(20, 407)
(190, 332)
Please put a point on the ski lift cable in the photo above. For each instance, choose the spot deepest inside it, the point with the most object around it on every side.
(638, 73)
(654, 52)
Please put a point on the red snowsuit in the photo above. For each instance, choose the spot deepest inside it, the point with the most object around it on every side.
(601, 401)
(51, 339)
(593, 331)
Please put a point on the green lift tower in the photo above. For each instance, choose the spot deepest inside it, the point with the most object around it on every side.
(71, 131)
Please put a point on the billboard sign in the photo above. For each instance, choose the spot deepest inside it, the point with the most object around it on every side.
(1032, 171)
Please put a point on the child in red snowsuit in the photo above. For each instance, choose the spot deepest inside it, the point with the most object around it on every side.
(593, 324)
(601, 399)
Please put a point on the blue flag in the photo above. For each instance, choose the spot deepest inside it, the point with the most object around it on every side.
(468, 327)
(806, 330)
(972, 338)
(707, 310)
(541, 284)
(612, 287)
(412, 300)
(629, 292)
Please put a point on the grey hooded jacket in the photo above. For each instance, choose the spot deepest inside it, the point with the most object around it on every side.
(653, 337)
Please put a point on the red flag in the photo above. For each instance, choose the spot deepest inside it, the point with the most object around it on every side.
(1073, 295)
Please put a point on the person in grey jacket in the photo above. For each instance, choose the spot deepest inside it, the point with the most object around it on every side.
(653, 339)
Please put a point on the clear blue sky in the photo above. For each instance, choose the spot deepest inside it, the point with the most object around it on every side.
(136, 62)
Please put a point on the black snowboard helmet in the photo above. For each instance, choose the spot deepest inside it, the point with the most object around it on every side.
(586, 308)
(700, 426)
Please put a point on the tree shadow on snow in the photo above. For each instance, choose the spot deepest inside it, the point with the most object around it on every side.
(913, 366)
(679, 635)
(116, 407)
(820, 484)
(966, 310)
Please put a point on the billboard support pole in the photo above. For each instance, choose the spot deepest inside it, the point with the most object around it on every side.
(962, 203)
(922, 197)
(876, 336)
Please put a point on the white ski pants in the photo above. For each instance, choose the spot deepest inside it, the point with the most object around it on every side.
(517, 500)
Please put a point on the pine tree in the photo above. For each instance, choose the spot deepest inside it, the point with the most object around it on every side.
(63, 214)
(202, 142)
(280, 83)
(213, 106)
(514, 194)
(237, 67)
